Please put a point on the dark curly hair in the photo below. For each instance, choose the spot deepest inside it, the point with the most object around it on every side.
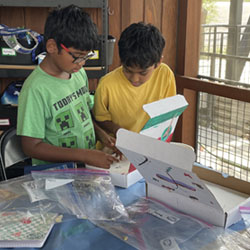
(72, 27)
(141, 45)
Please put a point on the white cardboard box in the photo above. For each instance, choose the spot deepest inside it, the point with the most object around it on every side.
(122, 173)
(167, 168)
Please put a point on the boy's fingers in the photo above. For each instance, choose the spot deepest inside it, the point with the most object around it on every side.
(115, 159)
(112, 140)
(118, 154)
(112, 159)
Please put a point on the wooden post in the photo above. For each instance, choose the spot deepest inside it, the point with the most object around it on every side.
(187, 64)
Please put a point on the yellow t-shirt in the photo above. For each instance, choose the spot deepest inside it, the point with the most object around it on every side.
(117, 100)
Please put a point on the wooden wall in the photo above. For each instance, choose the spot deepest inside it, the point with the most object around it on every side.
(161, 13)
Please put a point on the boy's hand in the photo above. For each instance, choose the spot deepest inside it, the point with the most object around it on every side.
(109, 141)
(100, 159)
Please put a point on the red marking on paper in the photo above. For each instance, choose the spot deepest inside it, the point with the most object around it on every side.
(17, 234)
(26, 220)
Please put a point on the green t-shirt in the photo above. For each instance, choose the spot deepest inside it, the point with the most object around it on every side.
(56, 110)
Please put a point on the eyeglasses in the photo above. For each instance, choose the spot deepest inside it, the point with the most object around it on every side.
(79, 59)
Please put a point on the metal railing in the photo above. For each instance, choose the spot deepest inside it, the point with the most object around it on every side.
(224, 54)
(223, 124)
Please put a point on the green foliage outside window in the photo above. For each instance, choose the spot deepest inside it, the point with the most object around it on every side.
(209, 11)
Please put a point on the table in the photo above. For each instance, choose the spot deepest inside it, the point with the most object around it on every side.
(82, 234)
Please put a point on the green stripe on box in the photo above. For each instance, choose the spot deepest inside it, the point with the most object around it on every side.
(163, 117)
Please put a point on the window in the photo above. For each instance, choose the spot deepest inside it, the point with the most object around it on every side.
(223, 124)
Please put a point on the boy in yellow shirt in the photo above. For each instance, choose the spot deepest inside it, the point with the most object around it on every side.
(142, 78)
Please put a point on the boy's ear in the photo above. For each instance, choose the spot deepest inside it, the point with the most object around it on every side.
(160, 60)
(51, 46)
(157, 64)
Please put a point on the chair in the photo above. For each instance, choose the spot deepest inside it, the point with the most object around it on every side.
(11, 154)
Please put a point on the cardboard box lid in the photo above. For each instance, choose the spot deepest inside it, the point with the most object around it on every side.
(163, 115)
(167, 169)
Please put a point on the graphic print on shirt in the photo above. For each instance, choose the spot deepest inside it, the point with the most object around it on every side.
(68, 142)
(67, 120)
(89, 139)
(83, 115)
(64, 121)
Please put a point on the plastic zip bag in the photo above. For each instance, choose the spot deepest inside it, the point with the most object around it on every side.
(228, 240)
(14, 197)
(88, 193)
(156, 226)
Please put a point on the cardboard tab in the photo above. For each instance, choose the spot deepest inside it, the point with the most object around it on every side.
(164, 115)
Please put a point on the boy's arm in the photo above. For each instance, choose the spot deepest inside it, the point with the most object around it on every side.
(106, 139)
(38, 149)
(109, 126)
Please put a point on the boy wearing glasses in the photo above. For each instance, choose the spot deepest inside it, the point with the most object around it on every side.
(141, 79)
(54, 119)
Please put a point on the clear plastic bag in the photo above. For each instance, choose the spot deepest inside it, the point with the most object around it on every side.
(155, 226)
(12, 188)
(245, 214)
(37, 193)
(14, 197)
(228, 240)
(86, 193)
